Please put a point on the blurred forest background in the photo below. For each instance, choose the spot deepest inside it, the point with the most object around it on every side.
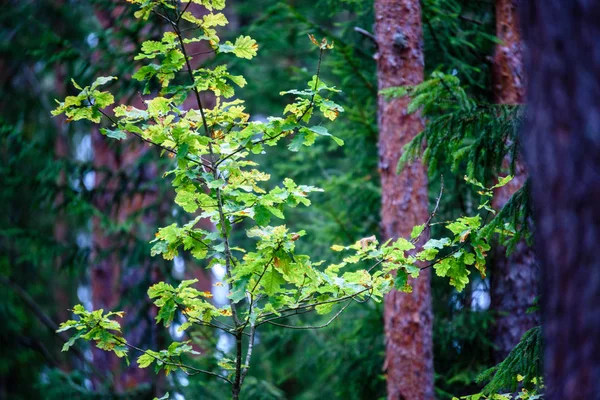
(79, 210)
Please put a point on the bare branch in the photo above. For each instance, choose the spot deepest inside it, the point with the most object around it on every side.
(366, 33)
(433, 213)
(248, 353)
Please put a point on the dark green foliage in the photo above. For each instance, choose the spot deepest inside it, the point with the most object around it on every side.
(460, 340)
(470, 138)
(461, 133)
(342, 361)
(41, 43)
(479, 137)
(524, 360)
(512, 223)
(459, 35)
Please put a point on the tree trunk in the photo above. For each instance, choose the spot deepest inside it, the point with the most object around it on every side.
(508, 78)
(562, 141)
(514, 278)
(118, 197)
(105, 270)
(408, 317)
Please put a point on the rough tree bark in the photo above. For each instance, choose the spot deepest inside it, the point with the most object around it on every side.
(508, 78)
(408, 317)
(514, 279)
(562, 143)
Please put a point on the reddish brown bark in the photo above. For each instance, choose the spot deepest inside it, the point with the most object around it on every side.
(408, 317)
(509, 85)
(105, 270)
(513, 282)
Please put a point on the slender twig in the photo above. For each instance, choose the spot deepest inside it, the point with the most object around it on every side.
(174, 152)
(242, 148)
(267, 265)
(299, 292)
(366, 33)
(210, 325)
(312, 305)
(375, 265)
(191, 28)
(474, 21)
(313, 326)
(252, 301)
(319, 28)
(191, 75)
(202, 52)
(433, 213)
(345, 47)
(199, 241)
(183, 11)
(365, 300)
(162, 16)
(312, 99)
(228, 255)
(197, 321)
(296, 312)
